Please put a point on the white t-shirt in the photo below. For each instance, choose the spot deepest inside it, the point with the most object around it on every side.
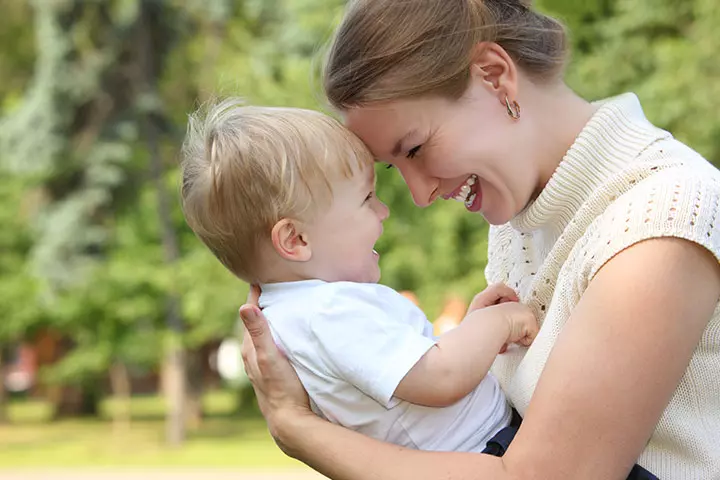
(351, 345)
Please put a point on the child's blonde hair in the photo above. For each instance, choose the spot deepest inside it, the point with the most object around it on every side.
(244, 168)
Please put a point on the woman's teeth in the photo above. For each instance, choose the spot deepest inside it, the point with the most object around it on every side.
(470, 200)
(466, 194)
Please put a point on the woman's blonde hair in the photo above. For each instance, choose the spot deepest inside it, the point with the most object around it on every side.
(390, 49)
(244, 168)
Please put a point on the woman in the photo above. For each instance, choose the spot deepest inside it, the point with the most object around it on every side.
(604, 224)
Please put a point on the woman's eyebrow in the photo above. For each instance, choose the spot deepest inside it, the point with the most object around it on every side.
(398, 146)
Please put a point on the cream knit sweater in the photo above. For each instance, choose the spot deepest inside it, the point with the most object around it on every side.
(622, 181)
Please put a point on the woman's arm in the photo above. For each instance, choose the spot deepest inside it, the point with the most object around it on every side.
(611, 374)
(332, 450)
(618, 361)
(342, 454)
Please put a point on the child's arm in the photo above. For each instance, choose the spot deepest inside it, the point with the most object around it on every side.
(462, 357)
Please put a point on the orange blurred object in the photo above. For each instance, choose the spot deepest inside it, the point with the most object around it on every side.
(451, 316)
(410, 296)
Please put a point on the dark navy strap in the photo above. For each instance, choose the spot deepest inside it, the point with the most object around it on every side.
(499, 444)
(639, 473)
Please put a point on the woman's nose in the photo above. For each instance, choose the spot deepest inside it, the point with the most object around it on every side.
(423, 188)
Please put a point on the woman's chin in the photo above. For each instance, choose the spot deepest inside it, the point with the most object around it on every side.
(496, 218)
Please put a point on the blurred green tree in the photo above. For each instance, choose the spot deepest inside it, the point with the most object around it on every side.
(94, 100)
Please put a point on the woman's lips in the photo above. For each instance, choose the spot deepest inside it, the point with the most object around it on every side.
(465, 190)
(469, 193)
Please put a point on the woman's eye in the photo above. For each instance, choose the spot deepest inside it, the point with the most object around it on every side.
(389, 166)
(413, 151)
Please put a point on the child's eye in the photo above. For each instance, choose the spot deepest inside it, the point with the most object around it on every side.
(370, 195)
(413, 151)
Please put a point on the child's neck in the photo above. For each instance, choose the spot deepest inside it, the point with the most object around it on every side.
(282, 272)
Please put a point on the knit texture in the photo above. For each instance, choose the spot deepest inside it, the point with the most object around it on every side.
(621, 182)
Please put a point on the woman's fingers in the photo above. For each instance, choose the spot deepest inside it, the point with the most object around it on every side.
(248, 356)
(253, 295)
(257, 328)
(258, 366)
(275, 381)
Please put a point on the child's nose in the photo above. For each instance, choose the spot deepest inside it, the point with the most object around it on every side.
(384, 211)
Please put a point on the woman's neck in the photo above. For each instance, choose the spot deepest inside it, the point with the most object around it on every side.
(559, 117)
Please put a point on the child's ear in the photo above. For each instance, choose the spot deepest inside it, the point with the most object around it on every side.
(290, 242)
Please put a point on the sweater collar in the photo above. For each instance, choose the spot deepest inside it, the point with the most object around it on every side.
(613, 137)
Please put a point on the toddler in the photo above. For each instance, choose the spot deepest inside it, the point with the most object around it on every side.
(285, 198)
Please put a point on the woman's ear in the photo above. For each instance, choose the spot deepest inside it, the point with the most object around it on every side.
(290, 241)
(495, 70)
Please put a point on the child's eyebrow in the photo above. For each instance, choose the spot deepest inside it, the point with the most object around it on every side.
(371, 180)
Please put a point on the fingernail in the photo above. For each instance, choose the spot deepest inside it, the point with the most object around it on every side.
(248, 313)
(252, 313)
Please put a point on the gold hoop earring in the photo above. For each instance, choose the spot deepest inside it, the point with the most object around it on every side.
(512, 110)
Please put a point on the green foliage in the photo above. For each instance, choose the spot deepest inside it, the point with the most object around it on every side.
(81, 247)
(18, 288)
(663, 50)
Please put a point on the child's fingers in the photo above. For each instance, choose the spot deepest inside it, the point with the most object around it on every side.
(494, 294)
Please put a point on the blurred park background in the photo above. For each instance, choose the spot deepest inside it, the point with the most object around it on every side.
(112, 312)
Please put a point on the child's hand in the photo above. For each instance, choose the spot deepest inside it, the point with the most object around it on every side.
(521, 320)
(493, 295)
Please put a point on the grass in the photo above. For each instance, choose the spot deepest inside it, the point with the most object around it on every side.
(222, 440)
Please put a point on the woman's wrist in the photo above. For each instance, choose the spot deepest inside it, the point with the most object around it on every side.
(288, 426)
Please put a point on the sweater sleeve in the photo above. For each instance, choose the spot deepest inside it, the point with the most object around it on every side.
(670, 203)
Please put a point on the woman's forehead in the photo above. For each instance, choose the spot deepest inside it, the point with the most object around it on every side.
(381, 127)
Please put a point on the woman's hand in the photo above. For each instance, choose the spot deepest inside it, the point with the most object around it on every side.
(280, 394)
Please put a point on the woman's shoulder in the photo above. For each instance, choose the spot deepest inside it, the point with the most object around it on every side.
(671, 182)
(680, 199)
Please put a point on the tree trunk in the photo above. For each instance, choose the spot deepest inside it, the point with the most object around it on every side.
(214, 36)
(75, 401)
(174, 369)
(149, 54)
(175, 395)
(121, 393)
(195, 382)
(4, 418)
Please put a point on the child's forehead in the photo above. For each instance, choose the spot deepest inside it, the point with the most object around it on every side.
(367, 175)
(360, 179)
